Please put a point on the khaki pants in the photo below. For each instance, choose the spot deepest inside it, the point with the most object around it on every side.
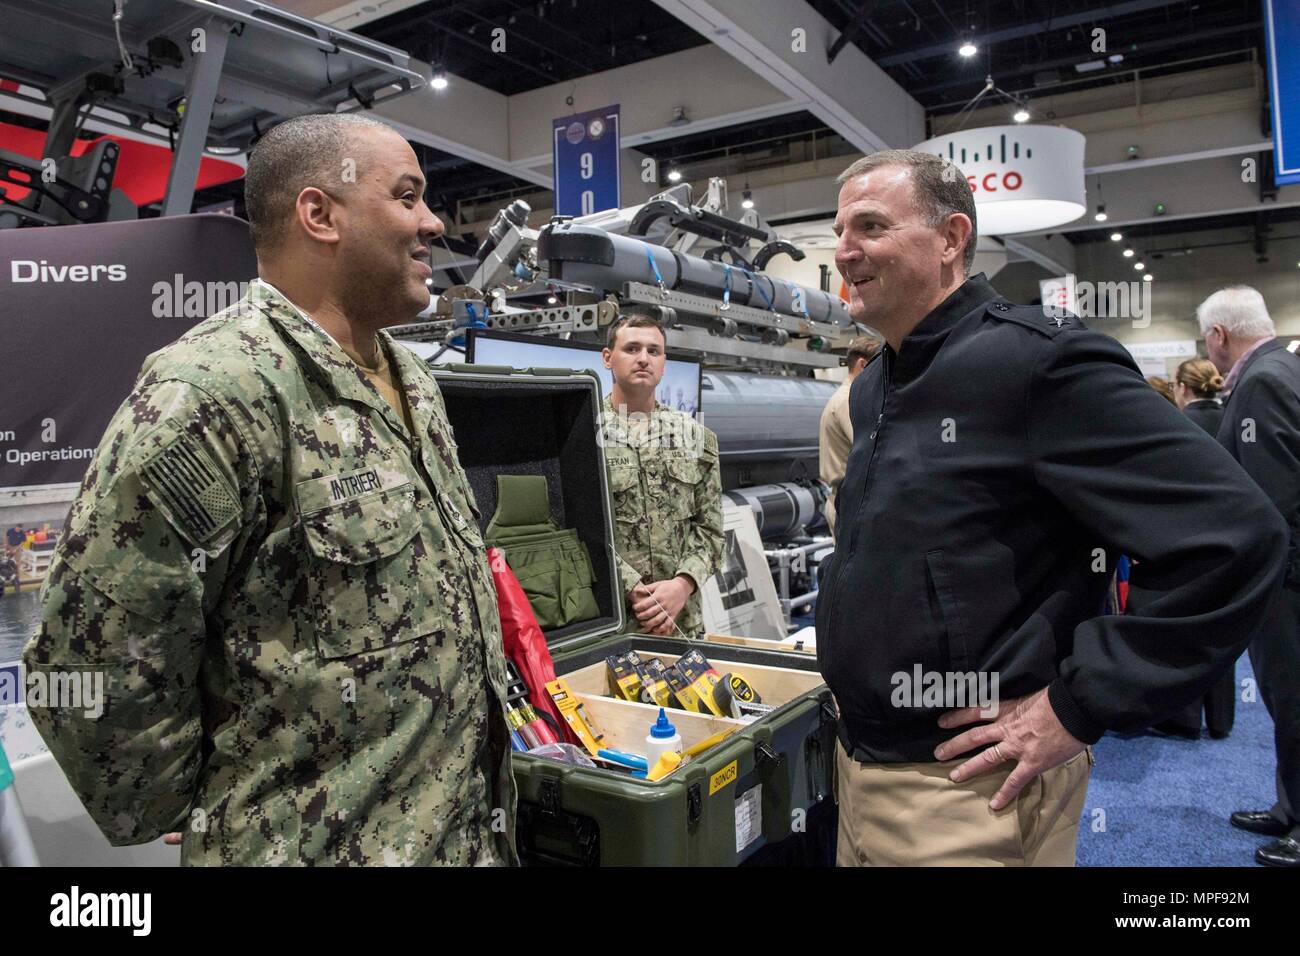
(911, 814)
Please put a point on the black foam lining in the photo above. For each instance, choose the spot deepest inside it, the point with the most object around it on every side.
(522, 428)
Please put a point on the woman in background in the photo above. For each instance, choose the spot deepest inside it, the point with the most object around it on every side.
(1196, 391)
(1162, 386)
(1196, 388)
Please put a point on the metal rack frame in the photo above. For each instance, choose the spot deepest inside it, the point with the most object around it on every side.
(368, 72)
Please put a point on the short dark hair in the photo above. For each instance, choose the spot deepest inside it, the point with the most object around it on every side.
(633, 320)
(301, 152)
(863, 347)
(941, 188)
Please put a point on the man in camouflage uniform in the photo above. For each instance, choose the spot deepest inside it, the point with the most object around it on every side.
(275, 557)
(664, 473)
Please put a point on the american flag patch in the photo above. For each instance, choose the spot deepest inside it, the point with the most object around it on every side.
(189, 486)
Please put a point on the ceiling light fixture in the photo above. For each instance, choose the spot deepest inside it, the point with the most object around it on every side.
(1147, 278)
(1139, 266)
(1116, 236)
(1021, 115)
(674, 175)
(1128, 253)
(1101, 212)
(439, 81)
(747, 198)
(967, 49)
(1049, 193)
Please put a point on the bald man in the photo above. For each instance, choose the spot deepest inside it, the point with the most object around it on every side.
(275, 558)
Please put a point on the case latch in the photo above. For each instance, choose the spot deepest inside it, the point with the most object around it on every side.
(829, 716)
(548, 796)
(763, 754)
(693, 806)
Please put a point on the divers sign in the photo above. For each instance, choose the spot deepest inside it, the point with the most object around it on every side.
(1025, 178)
(78, 324)
(585, 156)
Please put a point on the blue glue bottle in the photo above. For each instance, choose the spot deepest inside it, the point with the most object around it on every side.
(663, 738)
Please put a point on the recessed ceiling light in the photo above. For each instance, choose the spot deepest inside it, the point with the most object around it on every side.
(967, 49)
(1128, 253)
(1116, 236)
(1021, 115)
(674, 175)
(1139, 266)
(439, 81)
(1147, 278)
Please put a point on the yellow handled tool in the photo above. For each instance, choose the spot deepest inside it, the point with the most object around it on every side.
(707, 742)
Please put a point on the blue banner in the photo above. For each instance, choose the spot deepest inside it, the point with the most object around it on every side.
(1282, 37)
(586, 162)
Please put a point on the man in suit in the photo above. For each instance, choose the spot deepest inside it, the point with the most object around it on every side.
(1261, 428)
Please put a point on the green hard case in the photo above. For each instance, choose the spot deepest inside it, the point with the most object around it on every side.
(764, 793)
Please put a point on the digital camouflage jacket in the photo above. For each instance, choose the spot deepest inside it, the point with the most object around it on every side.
(667, 486)
(290, 601)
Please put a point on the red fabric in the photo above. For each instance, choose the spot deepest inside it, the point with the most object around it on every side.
(142, 168)
(525, 644)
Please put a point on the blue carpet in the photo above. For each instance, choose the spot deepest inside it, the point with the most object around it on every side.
(1166, 800)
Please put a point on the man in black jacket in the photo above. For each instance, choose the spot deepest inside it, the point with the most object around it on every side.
(993, 479)
(1261, 428)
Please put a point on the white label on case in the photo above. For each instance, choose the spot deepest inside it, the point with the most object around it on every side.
(749, 817)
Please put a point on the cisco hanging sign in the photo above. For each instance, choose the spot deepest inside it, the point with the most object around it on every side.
(586, 162)
(1025, 178)
(1282, 37)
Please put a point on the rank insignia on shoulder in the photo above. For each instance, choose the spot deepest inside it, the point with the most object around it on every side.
(1047, 319)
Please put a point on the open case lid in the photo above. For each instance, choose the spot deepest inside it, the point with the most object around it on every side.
(546, 422)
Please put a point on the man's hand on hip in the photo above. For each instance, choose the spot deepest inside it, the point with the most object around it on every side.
(1025, 730)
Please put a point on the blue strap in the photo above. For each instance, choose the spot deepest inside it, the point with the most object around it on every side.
(767, 299)
(654, 267)
(726, 291)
